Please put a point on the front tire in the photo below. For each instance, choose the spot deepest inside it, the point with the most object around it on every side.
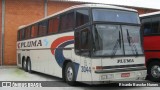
(154, 71)
(70, 74)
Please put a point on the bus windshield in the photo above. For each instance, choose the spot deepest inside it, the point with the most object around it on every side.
(110, 40)
(110, 15)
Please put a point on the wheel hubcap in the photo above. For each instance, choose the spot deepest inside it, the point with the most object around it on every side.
(155, 71)
(69, 74)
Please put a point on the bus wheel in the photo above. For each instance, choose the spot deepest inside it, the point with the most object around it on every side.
(24, 65)
(70, 74)
(29, 66)
(154, 71)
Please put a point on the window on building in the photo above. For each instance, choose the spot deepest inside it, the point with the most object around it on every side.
(42, 28)
(82, 17)
(34, 31)
(67, 22)
(53, 25)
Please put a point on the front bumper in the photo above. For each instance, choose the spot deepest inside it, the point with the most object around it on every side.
(105, 78)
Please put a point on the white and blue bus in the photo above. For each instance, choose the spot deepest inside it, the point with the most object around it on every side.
(90, 43)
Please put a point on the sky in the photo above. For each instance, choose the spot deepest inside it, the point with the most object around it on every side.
(155, 4)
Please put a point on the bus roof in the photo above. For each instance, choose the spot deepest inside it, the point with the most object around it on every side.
(149, 14)
(81, 6)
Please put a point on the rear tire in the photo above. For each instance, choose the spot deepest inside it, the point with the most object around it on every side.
(154, 71)
(70, 74)
(29, 69)
(24, 65)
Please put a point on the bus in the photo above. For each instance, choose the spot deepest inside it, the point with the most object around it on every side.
(151, 36)
(88, 43)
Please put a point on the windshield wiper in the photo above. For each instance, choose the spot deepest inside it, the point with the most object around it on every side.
(116, 45)
(131, 43)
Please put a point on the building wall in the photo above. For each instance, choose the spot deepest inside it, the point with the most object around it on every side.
(22, 12)
(143, 11)
(0, 29)
(17, 13)
(54, 7)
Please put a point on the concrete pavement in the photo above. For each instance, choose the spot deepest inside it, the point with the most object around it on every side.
(13, 73)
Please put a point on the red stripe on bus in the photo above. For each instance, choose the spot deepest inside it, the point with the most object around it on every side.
(60, 40)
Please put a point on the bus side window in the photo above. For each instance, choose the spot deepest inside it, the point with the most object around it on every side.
(18, 35)
(85, 42)
(53, 25)
(151, 26)
(82, 17)
(155, 25)
(42, 28)
(67, 22)
(34, 31)
(82, 42)
(22, 34)
(146, 26)
(77, 42)
(27, 33)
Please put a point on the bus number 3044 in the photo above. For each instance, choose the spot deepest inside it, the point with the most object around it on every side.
(86, 69)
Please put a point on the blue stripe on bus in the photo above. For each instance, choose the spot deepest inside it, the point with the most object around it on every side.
(76, 67)
(59, 52)
(60, 57)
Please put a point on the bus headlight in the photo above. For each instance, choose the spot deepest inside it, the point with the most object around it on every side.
(142, 73)
(108, 76)
(139, 73)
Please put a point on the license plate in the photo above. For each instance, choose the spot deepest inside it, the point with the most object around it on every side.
(125, 74)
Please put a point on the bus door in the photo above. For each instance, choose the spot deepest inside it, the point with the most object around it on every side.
(82, 48)
(85, 54)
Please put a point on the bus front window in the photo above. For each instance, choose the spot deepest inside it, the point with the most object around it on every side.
(117, 33)
(116, 40)
(109, 15)
(107, 40)
(132, 40)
